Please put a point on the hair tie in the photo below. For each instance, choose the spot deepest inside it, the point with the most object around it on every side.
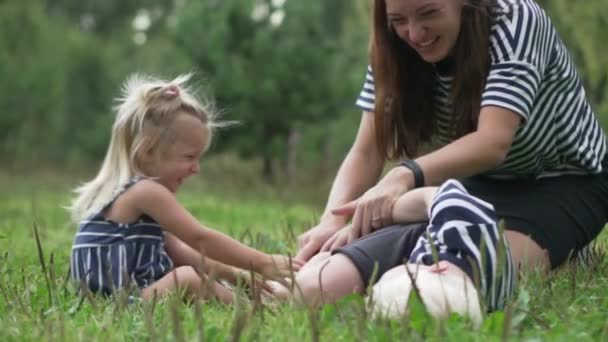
(172, 91)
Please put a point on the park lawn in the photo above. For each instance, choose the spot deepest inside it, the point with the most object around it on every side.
(37, 303)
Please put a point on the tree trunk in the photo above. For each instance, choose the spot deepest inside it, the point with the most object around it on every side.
(293, 140)
(327, 157)
(267, 169)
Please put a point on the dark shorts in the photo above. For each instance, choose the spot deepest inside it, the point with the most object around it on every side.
(386, 248)
(561, 214)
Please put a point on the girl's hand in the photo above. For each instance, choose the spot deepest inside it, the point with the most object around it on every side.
(374, 209)
(280, 266)
(339, 239)
(248, 279)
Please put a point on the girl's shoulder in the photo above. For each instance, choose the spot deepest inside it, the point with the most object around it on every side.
(149, 196)
(134, 185)
(124, 207)
(146, 192)
(146, 188)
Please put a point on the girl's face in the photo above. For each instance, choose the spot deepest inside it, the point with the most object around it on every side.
(430, 27)
(179, 157)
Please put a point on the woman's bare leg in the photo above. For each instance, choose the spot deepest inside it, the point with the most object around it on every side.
(185, 277)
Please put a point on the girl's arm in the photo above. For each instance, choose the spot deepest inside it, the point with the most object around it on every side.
(182, 254)
(156, 201)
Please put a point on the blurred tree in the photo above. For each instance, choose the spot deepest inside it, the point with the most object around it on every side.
(288, 70)
(273, 64)
(108, 18)
(42, 58)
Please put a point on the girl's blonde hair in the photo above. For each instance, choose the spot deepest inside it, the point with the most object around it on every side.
(441, 293)
(144, 114)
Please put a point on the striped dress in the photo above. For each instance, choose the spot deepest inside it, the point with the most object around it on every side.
(108, 256)
(463, 230)
(532, 75)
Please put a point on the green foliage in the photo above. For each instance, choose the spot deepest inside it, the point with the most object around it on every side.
(48, 102)
(63, 61)
(274, 77)
(581, 26)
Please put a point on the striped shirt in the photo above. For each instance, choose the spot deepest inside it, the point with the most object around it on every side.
(108, 256)
(463, 230)
(532, 75)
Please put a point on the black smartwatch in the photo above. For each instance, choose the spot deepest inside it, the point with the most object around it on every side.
(416, 170)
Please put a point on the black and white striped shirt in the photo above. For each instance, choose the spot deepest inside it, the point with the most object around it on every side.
(532, 75)
(463, 230)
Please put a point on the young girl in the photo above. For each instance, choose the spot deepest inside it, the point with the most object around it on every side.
(458, 258)
(132, 230)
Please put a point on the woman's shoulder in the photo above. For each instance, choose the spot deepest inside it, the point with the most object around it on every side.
(511, 8)
(519, 14)
(521, 31)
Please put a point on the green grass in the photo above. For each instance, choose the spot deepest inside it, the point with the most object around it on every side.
(37, 303)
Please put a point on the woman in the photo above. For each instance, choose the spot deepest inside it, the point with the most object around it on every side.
(488, 87)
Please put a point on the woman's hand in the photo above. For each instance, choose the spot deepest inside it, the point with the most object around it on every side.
(339, 239)
(374, 209)
(311, 242)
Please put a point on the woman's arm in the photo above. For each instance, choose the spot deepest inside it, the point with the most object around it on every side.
(156, 201)
(358, 172)
(474, 153)
(410, 207)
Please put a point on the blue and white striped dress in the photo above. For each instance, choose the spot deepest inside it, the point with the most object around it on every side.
(108, 256)
(463, 230)
(532, 75)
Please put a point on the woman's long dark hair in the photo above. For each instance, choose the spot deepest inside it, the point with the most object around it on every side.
(404, 108)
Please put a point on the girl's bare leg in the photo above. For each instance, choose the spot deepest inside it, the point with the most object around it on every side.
(281, 291)
(325, 279)
(185, 277)
(527, 254)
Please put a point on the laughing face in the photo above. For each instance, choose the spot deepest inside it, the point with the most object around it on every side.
(172, 164)
(430, 27)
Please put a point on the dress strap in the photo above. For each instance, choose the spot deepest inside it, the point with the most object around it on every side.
(120, 190)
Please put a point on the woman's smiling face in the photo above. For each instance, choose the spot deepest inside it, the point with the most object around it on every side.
(430, 27)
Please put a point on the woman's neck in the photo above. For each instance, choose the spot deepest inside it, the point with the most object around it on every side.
(445, 67)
